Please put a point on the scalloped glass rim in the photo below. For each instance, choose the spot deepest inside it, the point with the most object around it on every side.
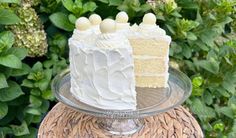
(151, 101)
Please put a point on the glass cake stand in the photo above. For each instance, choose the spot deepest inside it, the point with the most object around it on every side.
(150, 101)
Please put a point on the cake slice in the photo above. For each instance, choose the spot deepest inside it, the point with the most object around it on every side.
(151, 53)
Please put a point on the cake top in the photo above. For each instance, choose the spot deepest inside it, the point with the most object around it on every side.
(95, 19)
(108, 26)
(122, 17)
(82, 24)
(93, 28)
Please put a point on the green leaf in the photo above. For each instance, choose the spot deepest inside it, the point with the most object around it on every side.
(145, 7)
(229, 86)
(6, 40)
(89, 6)
(191, 36)
(11, 92)
(33, 111)
(187, 51)
(199, 108)
(197, 91)
(104, 1)
(227, 111)
(4, 131)
(11, 61)
(8, 17)
(27, 83)
(35, 101)
(115, 2)
(61, 21)
(48, 95)
(21, 53)
(9, 117)
(68, 4)
(19, 101)
(33, 133)
(20, 72)
(3, 81)
(72, 19)
(10, 1)
(223, 92)
(45, 106)
(208, 98)
(197, 81)
(42, 84)
(20, 130)
(3, 110)
(37, 67)
(209, 65)
(35, 92)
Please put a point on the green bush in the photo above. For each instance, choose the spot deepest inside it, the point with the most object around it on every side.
(203, 46)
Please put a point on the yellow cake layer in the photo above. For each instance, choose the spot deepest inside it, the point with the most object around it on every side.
(153, 65)
(151, 81)
(149, 47)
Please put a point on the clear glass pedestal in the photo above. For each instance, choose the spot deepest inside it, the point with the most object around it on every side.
(150, 101)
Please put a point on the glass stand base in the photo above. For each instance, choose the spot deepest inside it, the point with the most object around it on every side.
(121, 126)
(150, 101)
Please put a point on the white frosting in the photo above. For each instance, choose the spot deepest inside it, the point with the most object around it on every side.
(112, 40)
(134, 27)
(96, 29)
(122, 26)
(86, 37)
(148, 31)
(102, 75)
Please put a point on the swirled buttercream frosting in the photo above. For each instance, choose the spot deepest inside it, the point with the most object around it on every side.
(103, 75)
(112, 40)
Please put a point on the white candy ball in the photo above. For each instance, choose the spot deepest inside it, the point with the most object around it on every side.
(122, 17)
(95, 19)
(149, 18)
(108, 26)
(82, 23)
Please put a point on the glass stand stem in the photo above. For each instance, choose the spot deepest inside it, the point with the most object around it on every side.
(121, 126)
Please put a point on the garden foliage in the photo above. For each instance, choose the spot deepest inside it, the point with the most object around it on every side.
(203, 46)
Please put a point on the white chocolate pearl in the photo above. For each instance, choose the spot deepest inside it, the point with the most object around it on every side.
(122, 17)
(82, 23)
(149, 18)
(108, 26)
(95, 19)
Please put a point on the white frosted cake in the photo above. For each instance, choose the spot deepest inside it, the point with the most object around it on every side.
(102, 70)
(109, 58)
